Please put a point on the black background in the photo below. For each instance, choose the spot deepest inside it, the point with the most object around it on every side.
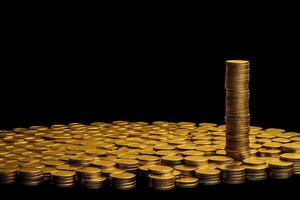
(145, 67)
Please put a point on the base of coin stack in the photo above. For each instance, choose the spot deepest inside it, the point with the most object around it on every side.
(162, 155)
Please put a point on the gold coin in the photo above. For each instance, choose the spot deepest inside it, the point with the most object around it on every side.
(158, 169)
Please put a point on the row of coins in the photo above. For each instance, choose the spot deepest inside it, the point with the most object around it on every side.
(194, 152)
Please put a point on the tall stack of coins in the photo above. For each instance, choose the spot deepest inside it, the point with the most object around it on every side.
(161, 178)
(232, 174)
(237, 109)
(123, 181)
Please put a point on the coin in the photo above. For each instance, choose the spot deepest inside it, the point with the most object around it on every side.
(195, 160)
(187, 182)
(123, 181)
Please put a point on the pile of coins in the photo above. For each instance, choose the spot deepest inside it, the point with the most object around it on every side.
(91, 156)
(161, 178)
(123, 181)
(237, 109)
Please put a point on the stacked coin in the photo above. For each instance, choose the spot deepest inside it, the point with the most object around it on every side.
(63, 179)
(294, 158)
(237, 109)
(220, 160)
(161, 178)
(293, 147)
(90, 177)
(106, 172)
(148, 160)
(171, 160)
(104, 164)
(143, 170)
(232, 174)
(280, 169)
(195, 160)
(81, 160)
(29, 176)
(256, 169)
(187, 182)
(8, 175)
(208, 176)
(129, 165)
(186, 170)
(123, 181)
(47, 172)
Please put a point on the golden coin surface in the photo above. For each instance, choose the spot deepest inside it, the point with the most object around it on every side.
(254, 161)
(63, 173)
(160, 169)
(124, 175)
(207, 171)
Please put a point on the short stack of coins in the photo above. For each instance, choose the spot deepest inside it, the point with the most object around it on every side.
(8, 175)
(171, 160)
(237, 109)
(29, 176)
(233, 174)
(123, 181)
(256, 169)
(294, 158)
(161, 178)
(280, 169)
(130, 165)
(208, 176)
(187, 182)
(63, 179)
(90, 177)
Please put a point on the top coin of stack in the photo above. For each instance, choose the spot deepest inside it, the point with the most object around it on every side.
(237, 109)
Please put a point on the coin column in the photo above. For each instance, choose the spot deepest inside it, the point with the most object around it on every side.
(237, 109)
